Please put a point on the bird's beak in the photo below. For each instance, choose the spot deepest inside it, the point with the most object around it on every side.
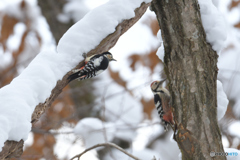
(161, 82)
(114, 60)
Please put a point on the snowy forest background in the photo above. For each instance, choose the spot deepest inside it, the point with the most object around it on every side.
(116, 106)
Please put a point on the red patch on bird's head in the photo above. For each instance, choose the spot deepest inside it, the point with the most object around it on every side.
(152, 83)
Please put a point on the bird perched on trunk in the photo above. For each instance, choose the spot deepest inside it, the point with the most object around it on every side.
(162, 103)
(94, 65)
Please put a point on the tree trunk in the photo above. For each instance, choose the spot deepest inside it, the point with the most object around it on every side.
(191, 68)
(50, 10)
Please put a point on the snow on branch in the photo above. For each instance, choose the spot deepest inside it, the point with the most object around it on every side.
(42, 81)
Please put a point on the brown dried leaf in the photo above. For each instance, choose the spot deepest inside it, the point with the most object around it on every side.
(53, 120)
(8, 24)
(116, 77)
(152, 23)
(229, 112)
(148, 60)
(237, 25)
(148, 107)
(234, 4)
(23, 5)
(154, 26)
(154, 60)
(134, 58)
(42, 147)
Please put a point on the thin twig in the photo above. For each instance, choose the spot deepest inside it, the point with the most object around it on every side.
(103, 119)
(105, 144)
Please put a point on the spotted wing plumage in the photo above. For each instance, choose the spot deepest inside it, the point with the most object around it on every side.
(159, 107)
(93, 67)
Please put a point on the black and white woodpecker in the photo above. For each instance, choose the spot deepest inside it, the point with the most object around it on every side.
(162, 103)
(94, 65)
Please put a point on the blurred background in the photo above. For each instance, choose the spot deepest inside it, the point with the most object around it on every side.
(117, 106)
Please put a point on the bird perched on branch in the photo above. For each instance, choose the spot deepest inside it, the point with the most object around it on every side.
(94, 65)
(162, 103)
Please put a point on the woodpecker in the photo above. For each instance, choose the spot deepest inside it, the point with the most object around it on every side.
(162, 103)
(94, 65)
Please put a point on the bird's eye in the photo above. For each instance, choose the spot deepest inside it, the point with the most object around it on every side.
(161, 91)
(155, 82)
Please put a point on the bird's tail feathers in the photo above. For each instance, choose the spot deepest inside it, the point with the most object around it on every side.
(74, 76)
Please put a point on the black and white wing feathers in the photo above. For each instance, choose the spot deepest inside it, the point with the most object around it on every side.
(158, 105)
(96, 65)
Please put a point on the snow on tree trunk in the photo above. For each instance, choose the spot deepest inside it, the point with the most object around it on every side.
(191, 67)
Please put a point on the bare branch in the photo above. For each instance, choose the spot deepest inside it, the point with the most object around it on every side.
(106, 44)
(105, 144)
(11, 149)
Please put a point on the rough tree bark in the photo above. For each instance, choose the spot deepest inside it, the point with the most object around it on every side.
(14, 149)
(191, 68)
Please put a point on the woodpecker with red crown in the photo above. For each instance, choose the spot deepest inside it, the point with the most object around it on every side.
(94, 65)
(162, 103)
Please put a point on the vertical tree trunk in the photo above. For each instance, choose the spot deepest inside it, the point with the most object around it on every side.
(50, 10)
(191, 67)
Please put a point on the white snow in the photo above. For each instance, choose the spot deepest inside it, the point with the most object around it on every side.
(14, 41)
(30, 12)
(225, 141)
(74, 9)
(69, 144)
(34, 85)
(214, 24)
(222, 101)
(20, 97)
(162, 145)
(160, 51)
(119, 107)
(95, 3)
(228, 64)
(134, 43)
(6, 58)
(94, 131)
(97, 24)
(234, 129)
(147, 131)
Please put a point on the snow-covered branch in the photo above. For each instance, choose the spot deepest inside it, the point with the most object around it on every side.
(43, 80)
(105, 44)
